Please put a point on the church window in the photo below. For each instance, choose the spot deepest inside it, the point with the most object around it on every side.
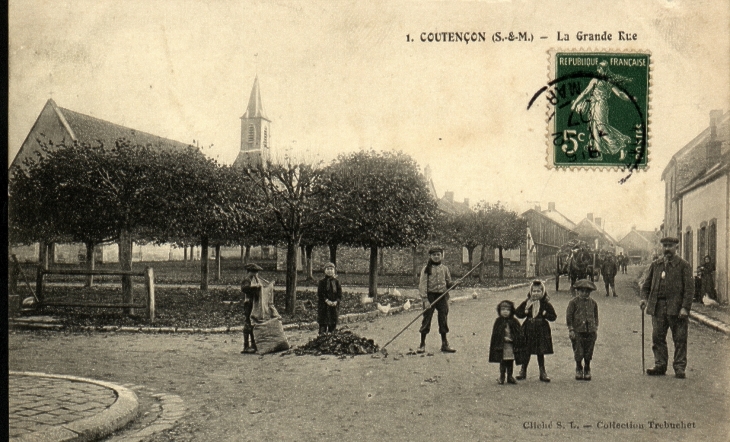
(251, 133)
(266, 137)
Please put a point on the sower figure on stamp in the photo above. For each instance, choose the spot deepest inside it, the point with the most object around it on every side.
(667, 294)
(435, 280)
(609, 268)
(329, 294)
(251, 289)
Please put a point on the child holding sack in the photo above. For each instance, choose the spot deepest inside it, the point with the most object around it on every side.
(538, 311)
(507, 346)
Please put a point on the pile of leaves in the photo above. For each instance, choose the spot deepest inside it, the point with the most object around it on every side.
(338, 343)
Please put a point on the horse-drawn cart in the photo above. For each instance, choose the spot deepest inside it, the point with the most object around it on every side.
(575, 260)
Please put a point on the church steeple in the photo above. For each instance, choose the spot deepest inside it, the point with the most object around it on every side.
(255, 131)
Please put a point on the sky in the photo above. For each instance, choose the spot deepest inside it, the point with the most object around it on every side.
(341, 76)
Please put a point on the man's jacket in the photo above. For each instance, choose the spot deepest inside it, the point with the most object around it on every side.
(677, 285)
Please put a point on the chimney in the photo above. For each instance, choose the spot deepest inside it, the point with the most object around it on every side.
(538, 208)
(713, 148)
(449, 196)
(551, 207)
(466, 202)
(598, 222)
(633, 227)
(590, 217)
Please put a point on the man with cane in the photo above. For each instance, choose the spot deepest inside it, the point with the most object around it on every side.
(667, 294)
(435, 280)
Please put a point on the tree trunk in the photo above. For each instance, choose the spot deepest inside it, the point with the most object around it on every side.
(247, 255)
(292, 247)
(204, 265)
(125, 263)
(90, 246)
(381, 266)
(217, 262)
(185, 253)
(302, 254)
(43, 255)
(52, 253)
(373, 279)
(416, 265)
(243, 254)
(501, 264)
(470, 253)
(333, 253)
(483, 268)
(310, 273)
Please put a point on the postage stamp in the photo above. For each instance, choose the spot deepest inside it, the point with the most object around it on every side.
(598, 110)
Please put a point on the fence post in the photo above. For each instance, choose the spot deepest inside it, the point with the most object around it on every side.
(149, 282)
(39, 283)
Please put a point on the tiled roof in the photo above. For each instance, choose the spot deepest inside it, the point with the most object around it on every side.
(94, 130)
(559, 218)
(452, 207)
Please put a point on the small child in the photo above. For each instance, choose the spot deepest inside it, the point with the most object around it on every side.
(508, 344)
(582, 319)
(539, 340)
(329, 294)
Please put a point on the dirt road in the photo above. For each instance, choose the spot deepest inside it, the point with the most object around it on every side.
(232, 397)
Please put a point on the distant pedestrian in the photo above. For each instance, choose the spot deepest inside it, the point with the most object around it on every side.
(609, 268)
(582, 319)
(507, 346)
(329, 295)
(623, 261)
(667, 294)
(707, 279)
(251, 288)
(539, 341)
(435, 280)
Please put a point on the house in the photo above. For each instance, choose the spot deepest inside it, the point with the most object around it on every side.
(547, 231)
(640, 245)
(591, 231)
(697, 199)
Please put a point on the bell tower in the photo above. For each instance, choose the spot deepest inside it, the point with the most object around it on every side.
(255, 131)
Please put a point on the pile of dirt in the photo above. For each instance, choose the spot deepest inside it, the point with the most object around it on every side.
(338, 343)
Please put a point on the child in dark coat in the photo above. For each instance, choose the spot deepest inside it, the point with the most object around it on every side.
(508, 344)
(329, 294)
(538, 311)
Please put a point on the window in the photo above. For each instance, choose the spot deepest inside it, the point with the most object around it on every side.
(251, 133)
(688, 246)
(712, 240)
(266, 137)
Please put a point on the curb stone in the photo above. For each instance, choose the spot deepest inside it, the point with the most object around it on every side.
(709, 322)
(119, 414)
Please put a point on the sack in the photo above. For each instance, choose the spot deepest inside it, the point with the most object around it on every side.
(269, 336)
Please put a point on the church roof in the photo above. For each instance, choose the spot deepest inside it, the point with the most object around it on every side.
(84, 129)
(255, 108)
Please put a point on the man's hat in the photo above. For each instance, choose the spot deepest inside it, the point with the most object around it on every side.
(669, 240)
(328, 265)
(253, 268)
(584, 284)
(435, 249)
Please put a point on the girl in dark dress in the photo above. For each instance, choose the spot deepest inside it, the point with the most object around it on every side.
(507, 346)
(538, 311)
(329, 294)
(707, 279)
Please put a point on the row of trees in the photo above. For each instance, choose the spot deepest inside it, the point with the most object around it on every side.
(128, 193)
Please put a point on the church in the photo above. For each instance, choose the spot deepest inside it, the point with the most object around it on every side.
(59, 125)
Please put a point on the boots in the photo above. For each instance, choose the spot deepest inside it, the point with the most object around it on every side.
(422, 347)
(522, 375)
(445, 347)
(502, 371)
(246, 348)
(543, 375)
(510, 379)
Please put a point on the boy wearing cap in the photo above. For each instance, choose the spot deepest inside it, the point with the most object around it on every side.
(251, 289)
(667, 294)
(582, 319)
(435, 280)
(329, 294)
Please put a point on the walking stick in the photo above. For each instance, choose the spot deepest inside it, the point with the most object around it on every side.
(643, 366)
(382, 350)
